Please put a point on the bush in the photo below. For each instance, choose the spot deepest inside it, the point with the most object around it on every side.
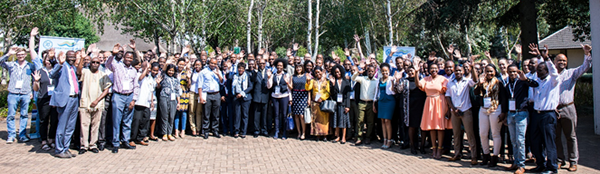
(584, 94)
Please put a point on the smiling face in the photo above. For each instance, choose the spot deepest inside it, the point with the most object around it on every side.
(21, 54)
(128, 59)
(385, 71)
(71, 57)
(155, 71)
(181, 65)
(337, 73)
(560, 61)
(503, 64)
(458, 72)
(318, 73)
(433, 70)
(490, 72)
(513, 72)
(449, 67)
(371, 72)
(279, 67)
(94, 64)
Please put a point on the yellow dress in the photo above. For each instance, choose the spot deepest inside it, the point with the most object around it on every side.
(320, 120)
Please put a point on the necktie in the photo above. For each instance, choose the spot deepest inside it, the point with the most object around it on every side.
(74, 79)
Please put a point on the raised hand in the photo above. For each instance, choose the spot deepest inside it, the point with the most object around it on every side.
(12, 51)
(534, 49)
(457, 54)
(116, 48)
(36, 75)
(450, 48)
(34, 32)
(518, 49)
(132, 44)
(394, 50)
(159, 79)
(262, 51)
(356, 38)
(269, 73)
(522, 76)
(587, 49)
(92, 48)
(295, 47)
(186, 49)
(288, 52)
(488, 55)
(218, 50)
(62, 57)
(308, 78)
(545, 53)
(347, 52)
(333, 55)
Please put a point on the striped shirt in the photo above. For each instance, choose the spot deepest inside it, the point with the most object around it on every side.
(21, 81)
(568, 78)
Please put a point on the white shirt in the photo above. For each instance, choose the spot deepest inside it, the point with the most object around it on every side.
(367, 86)
(388, 88)
(147, 86)
(546, 96)
(72, 86)
(458, 91)
(194, 82)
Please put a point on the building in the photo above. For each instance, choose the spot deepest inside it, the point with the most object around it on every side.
(562, 42)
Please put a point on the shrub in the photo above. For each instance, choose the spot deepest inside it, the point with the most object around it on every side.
(584, 94)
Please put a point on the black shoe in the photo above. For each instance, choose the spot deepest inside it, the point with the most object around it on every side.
(255, 136)
(95, 150)
(486, 159)
(243, 136)
(217, 134)
(82, 151)
(205, 136)
(115, 150)
(101, 147)
(493, 161)
(265, 134)
(550, 172)
(413, 151)
(368, 141)
(404, 146)
(537, 170)
(127, 146)
(235, 136)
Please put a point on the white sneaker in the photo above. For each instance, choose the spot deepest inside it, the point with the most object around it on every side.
(10, 140)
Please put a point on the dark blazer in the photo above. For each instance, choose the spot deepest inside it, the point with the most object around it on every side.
(62, 89)
(248, 90)
(335, 90)
(260, 93)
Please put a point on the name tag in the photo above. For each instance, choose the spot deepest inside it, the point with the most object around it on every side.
(277, 90)
(173, 96)
(126, 86)
(19, 84)
(339, 98)
(512, 105)
(204, 96)
(351, 95)
(317, 97)
(487, 102)
(50, 90)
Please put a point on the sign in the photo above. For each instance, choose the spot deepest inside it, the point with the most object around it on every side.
(400, 52)
(59, 44)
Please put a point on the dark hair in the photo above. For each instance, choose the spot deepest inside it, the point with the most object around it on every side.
(493, 67)
(384, 65)
(155, 64)
(135, 62)
(284, 61)
(162, 58)
(180, 60)
(130, 52)
(315, 69)
(513, 64)
(241, 65)
(299, 65)
(174, 69)
(341, 68)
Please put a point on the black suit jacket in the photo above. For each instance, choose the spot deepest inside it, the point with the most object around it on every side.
(345, 91)
(260, 94)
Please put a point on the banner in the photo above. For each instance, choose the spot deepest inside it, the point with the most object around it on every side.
(59, 44)
(400, 52)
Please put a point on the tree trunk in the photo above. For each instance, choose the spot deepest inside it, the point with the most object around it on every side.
(317, 34)
(469, 45)
(157, 43)
(389, 20)
(527, 17)
(260, 25)
(309, 30)
(248, 29)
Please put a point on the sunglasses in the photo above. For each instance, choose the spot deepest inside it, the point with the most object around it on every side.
(95, 62)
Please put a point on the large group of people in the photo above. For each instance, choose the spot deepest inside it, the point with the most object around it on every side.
(121, 98)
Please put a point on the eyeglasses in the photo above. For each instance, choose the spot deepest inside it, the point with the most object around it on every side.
(21, 54)
(95, 62)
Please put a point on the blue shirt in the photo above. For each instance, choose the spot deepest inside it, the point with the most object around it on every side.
(209, 81)
(21, 81)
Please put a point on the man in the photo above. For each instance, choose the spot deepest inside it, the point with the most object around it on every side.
(227, 109)
(503, 65)
(260, 99)
(365, 105)
(242, 87)
(525, 66)
(307, 57)
(208, 88)
(449, 70)
(567, 114)
(66, 101)
(545, 99)
(143, 104)
(95, 87)
(533, 63)
(518, 115)
(20, 86)
(125, 85)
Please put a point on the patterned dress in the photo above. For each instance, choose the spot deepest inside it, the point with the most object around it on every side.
(299, 95)
(320, 120)
(184, 99)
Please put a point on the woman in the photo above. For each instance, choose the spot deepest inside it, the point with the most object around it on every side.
(494, 106)
(281, 87)
(340, 93)
(195, 107)
(417, 103)
(169, 100)
(435, 108)
(155, 72)
(184, 98)
(301, 99)
(308, 66)
(385, 102)
(44, 86)
(320, 92)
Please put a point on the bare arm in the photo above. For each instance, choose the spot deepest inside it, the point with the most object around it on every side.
(32, 35)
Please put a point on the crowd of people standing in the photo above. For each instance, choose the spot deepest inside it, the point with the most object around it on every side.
(119, 99)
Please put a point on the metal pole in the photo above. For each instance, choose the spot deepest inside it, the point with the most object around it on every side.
(595, 31)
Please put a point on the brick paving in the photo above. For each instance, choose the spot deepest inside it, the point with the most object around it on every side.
(250, 155)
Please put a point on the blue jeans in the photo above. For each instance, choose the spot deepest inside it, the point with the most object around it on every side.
(14, 101)
(181, 115)
(517, 126)
(121, 117)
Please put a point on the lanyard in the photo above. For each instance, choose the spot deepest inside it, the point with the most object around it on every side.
(512, 90)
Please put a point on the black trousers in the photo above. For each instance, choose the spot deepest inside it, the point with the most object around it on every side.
(47, 115)
(260, 118)
(105, 128)
(543, 137)
(139, 123)
(240, 122)
(210, 122)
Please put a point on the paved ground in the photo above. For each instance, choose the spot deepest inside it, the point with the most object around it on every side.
(260, 155)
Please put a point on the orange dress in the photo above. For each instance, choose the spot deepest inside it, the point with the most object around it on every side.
(435, 105)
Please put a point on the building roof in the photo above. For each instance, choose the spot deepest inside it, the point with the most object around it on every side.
(563, 39)
(112, 36)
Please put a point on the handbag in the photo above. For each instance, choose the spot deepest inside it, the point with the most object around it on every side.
(307, 116)
(290, 123)
(328, 106)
